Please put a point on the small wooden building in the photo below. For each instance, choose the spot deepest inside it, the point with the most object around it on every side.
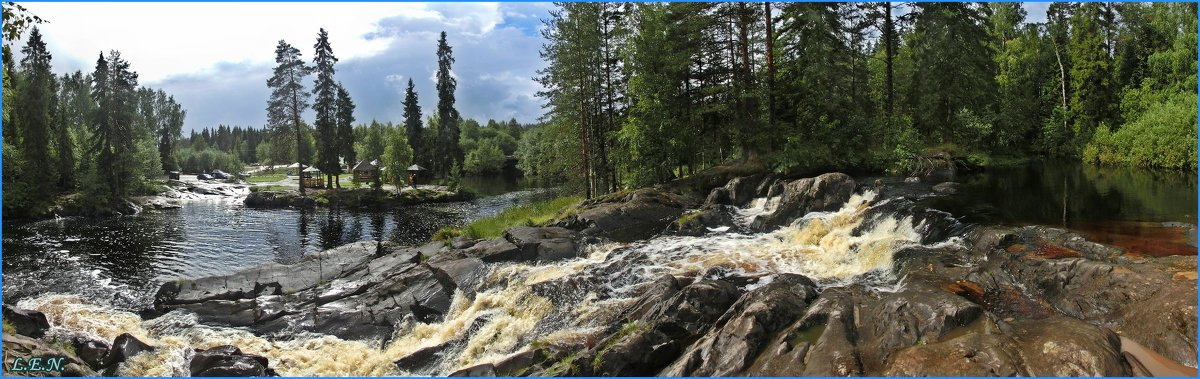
(417, 175)
(311, 178)
(366, 170)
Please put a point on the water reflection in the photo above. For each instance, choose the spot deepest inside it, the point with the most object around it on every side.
(1072, 195)
(121, 260)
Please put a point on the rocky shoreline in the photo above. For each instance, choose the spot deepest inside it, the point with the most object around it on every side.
(352, 197)
(979, 301)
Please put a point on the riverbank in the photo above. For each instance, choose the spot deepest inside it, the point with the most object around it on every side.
(268, 197)
(814, 276)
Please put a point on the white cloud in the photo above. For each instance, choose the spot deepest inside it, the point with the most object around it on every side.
(215, 57)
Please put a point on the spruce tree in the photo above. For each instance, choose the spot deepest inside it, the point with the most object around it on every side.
(449, 153)
(345, 125)
(412, 125)
(36, 109)
(288, 100)
(325, 105)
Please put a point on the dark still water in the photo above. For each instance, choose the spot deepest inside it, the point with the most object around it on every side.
(1151, 212)
(122, 260)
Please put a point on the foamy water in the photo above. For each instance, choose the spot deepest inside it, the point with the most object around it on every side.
(830, 247)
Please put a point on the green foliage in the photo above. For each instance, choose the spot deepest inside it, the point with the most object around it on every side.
(193, 161)
(397, 158)
(487, 158)
(1164, 135)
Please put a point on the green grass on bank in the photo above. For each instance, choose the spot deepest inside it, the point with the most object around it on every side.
(535, 213)
(270, 188)
(266, 178)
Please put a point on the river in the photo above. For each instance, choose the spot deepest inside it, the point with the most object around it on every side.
(120, 261)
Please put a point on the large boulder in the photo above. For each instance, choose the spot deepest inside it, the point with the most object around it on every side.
(23, 347)
(228, 360)
(543, 244)
(1063, 346)
(645, 346)
(626, 217)
(349, 292)
(827, 192)
(740, 335)
(125, 346)
(26, 322)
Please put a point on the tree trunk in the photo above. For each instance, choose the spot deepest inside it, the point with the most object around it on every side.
(770, 67)
(299, 139)
(583, 143)
(1062, 71)
(889, 34)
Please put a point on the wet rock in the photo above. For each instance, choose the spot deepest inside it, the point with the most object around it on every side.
(703, 220)
(228, 360)
(463, 274)
(18, 346)
(91, 352)
(461, 242)
(912, 179)
(486, 369)
(947, 188)
(918, 313)
(543, 244)
(424, 360)
(972, 354)
(349, 292)
(1064, 346)
(627, 217)
(738, 337)
(643, 347)
(827, 192)
(1165, 322)
(125, 346)
(26, 322)
(819, 343)
(493, 250)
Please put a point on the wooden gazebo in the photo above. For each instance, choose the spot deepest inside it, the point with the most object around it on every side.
(311, 178)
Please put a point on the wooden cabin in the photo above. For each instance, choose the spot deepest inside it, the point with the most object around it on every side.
(366, 170)
(417, 175)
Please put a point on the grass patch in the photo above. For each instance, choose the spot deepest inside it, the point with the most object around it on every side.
(9, 328)
(565, 366)
(532, 214)
(270, 188)
(687, 218)
(625, 331)
(446, 233)
(266, 178)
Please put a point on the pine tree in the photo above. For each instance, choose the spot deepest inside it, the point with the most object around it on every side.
(325, 105)
(288, 100)
(36, 109)
(449, 153)
(345, 125)
(412, 125)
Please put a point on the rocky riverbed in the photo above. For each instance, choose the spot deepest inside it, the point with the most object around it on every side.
(733, 273)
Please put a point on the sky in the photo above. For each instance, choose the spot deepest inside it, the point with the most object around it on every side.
(215, 58)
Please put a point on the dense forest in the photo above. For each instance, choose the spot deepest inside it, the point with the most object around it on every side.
(99, 133)
(639, 93)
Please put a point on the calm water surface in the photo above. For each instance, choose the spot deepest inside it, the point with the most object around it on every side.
(1149, 212)
(121, 260)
